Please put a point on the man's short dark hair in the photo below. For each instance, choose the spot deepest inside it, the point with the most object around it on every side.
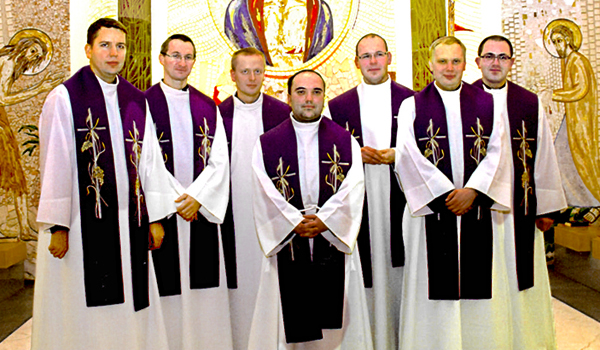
(371, 35)
(247, 51)
(291, 79)
(186, 39)
(498, 38)
(92, 32)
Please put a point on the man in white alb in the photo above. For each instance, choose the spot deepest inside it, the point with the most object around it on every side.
(189, 267)
(308, 192)
(246, 115)
(369, 111)
(449, 161)
(97, 146)
(537, 194)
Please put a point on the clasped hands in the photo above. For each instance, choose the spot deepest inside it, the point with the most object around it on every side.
(371, 155)
(310, 227)
(460, 201)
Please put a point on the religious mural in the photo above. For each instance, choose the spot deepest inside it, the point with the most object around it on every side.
(287, 32)
(28, 53)
(555, 50)
(579, 94)
(34, 58)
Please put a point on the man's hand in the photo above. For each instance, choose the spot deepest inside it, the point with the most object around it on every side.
(59, 244)
(188, 209)
(460, 201)
(388, 155)
(544, 224)
(371, 155)
(157, 233)
(310, 227)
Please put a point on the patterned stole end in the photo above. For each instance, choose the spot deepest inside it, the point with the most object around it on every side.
(468, 276)
(204, 247)
(311, 280)
(345, 111)
(103, 273)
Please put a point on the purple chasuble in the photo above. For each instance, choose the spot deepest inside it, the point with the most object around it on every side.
(345, 110)
(99, 208)
(523, 117)
(473, 278)
(204, 239)
(311, 288)
(273, 113)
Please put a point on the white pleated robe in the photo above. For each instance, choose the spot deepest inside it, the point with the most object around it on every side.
(198, 318)
(61, 319)
(444, 324)
(275, 218)
(247, 127)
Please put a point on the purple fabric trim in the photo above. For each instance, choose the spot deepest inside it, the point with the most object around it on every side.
(204, 247)
(273, 113)
(475, 278)
(312, 288)
(345, 111)
(103, 276)
(522, 108)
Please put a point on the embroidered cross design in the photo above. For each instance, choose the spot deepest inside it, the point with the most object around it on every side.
(479, 149)
(96, 147)
(282, 185)
(523, 153)
(432, 147)
(205, 144)
(135, 158)
(351, 131)
(160, 140)
(336, 173)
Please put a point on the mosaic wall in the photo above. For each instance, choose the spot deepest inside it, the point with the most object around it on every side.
(45, 24)
(428, 24)
(135, 15)
(539, 68)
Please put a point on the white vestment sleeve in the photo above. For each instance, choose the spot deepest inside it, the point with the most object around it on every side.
(274, 217)
(548, 185)
(160, 187)
(342, 212)
(58, 163)
(211, 188)
(421, 181)
(492, 176)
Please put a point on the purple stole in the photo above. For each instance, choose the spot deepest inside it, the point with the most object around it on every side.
(99, 208)
(273, 113)
(204, 239)
(312, 289)
(473, 278)
(523, 117)
(345, 110)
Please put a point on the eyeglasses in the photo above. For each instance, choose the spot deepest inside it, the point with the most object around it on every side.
(490, 57)
(177, 57)
(378, 54)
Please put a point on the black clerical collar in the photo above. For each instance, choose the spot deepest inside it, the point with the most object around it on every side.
(185, 88)
(491, 88)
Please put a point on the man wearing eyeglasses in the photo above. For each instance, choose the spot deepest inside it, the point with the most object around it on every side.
(369, 112)
(450, 166)
(189, 266)
(536, 194)
(246, 115)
